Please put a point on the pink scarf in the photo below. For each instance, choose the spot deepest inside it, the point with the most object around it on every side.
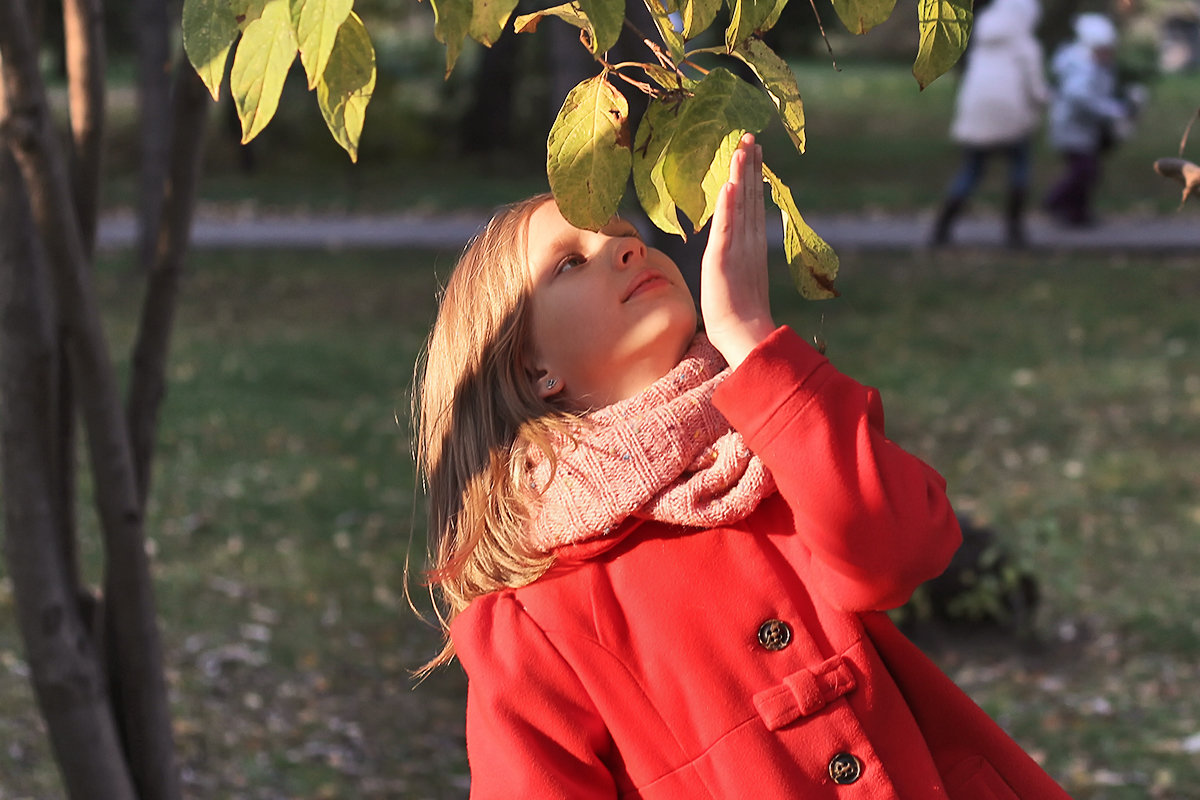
(666, 454)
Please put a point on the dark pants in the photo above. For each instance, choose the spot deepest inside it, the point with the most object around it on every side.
(1070, 199)
(975, 160)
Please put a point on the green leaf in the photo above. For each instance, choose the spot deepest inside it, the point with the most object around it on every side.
(451, 24)
(246, 11)
(602, 19)
(666, 29)
(945, 28)
(209, 30)
(316, 23)
(260, 66)
(346, 85)
(607, 17)
(567, 12)
(698, 15)
(859, 16)
(747, 18)
(721, 106)
(654, 133)
(812, 262)
(587, 154)
(780, 82)
(488, 18)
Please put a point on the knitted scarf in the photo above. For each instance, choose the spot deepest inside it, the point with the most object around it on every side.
(666, 454)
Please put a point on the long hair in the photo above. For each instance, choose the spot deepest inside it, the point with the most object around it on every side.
(476, 414)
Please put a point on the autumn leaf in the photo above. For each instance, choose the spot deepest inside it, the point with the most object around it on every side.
(488, 18)
(945, 28)
(260, 67)
(209, 30)
(811, 261)
(654, 133)
(451, 23)
(587, 154)
(346, 85)
(780, 82)
(316, 23)
(695, 163)
(859, 16)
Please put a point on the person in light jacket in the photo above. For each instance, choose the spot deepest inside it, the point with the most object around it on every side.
(1083, 117)
(998, 109)
(664, 555)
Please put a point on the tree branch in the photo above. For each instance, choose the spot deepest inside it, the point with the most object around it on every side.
(82, 24)
(151, 25)
(148, 386)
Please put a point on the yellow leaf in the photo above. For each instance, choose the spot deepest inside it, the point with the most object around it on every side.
(260, 67)
(346, 86)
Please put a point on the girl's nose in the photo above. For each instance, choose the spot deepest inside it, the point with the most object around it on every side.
(631, 251)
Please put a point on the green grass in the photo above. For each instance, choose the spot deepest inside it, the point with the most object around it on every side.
(1060, 396)
(874, 143)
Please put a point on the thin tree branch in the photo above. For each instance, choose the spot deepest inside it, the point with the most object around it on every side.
(84, 42)
(151, 25)
(147, 387)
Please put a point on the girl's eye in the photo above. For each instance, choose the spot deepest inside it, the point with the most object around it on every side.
(570, 263)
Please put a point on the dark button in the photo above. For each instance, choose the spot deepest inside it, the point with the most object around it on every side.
(845, 768)
(775, 634)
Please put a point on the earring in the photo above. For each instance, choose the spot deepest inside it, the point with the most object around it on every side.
(551, 383)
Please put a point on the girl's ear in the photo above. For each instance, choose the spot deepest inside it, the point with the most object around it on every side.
(545, 384)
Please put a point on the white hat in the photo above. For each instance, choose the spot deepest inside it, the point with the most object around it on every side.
(1095, 30)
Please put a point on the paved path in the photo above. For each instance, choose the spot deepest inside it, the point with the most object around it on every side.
(1177, 232)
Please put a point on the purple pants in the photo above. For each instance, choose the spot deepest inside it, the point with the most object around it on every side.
(1070, 199)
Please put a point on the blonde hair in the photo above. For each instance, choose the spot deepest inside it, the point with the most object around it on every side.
(476, 415)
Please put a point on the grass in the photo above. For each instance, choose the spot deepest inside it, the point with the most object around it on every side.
(875, 143)
(1062, 410)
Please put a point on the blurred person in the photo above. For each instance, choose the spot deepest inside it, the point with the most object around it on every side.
(998, 108)
(1086, 116)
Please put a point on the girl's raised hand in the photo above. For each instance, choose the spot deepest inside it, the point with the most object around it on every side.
(734, 297)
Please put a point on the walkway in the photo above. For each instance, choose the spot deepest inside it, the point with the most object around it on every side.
(1172, 232)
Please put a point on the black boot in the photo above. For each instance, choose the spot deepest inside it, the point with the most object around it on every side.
(945, 220)
(1014, 219)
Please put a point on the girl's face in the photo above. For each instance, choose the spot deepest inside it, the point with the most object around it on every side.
(609, 315)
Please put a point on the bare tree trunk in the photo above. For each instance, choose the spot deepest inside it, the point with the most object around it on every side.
(151, 32)
(68, 680)
(147, 387)
(140, 697)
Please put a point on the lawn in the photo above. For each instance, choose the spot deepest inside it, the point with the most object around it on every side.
(1059, 395)
(875, 144)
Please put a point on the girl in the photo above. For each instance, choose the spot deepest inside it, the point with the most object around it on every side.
(664, 555)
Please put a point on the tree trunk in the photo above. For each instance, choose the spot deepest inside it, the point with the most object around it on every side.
(139, 690)
(65, 667)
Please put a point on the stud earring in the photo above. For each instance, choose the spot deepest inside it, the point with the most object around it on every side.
(551, 383)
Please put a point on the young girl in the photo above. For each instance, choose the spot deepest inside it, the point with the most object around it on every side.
(663, 555)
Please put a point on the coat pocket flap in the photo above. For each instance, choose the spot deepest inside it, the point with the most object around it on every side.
(804, 692)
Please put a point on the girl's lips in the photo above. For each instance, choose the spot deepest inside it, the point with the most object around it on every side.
(643, 281)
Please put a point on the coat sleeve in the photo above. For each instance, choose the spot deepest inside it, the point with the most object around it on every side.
(532, 730)
(875, 518)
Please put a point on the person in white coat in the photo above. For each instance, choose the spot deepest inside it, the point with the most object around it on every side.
(997, 111)
(1083, 116)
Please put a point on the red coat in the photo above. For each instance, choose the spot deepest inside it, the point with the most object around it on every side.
(745, 661)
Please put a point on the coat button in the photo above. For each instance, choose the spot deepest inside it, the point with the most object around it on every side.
(845, 768)
(775, 634)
